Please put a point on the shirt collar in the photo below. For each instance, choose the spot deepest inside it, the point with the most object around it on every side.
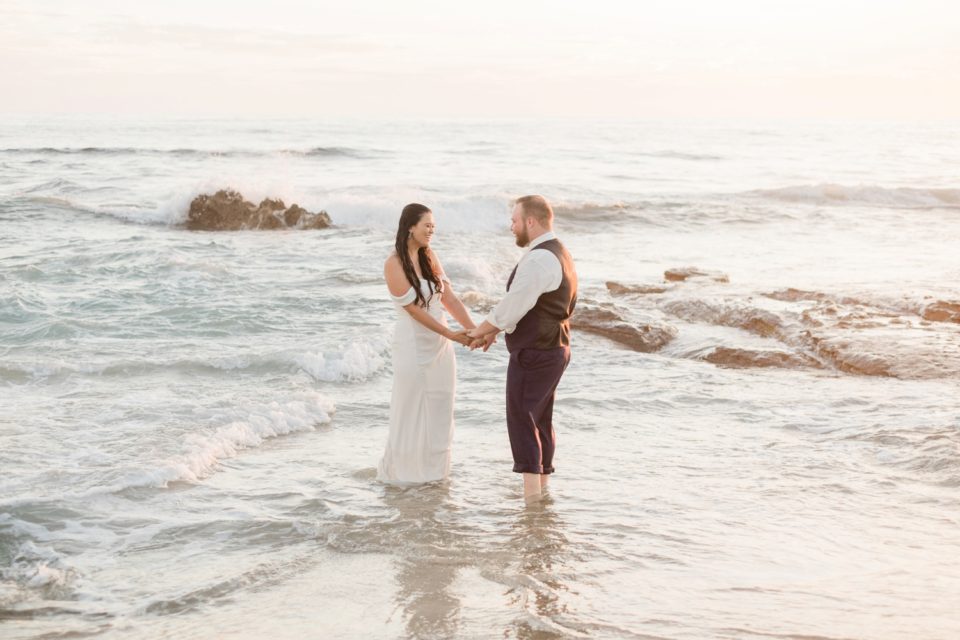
(549, 235)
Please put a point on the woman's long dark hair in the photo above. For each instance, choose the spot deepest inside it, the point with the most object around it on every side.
(409, 218)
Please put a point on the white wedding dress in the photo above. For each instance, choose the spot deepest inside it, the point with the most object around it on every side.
(421, 404)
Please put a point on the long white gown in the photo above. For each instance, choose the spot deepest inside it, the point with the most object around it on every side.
(421, 403)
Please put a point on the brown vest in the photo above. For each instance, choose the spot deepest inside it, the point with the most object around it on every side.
(547, 324)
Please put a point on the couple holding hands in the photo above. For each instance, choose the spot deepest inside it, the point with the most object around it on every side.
(534, 315)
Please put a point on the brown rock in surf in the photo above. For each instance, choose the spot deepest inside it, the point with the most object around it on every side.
(757, 321)
(617, 289)
(942, 311)
(226, 210)
(685, 273)
(644, 337)
(733, 358)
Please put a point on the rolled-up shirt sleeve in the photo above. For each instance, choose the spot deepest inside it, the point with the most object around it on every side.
(539, 272)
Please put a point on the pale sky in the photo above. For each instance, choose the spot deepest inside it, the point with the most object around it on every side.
(420, 58)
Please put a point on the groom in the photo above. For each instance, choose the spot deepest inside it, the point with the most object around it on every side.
(535, 314)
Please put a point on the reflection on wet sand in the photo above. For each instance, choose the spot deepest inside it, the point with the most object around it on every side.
(432, 544)
(538, 542)
(427, 564)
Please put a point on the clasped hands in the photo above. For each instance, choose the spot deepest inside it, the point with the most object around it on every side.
(472, 339)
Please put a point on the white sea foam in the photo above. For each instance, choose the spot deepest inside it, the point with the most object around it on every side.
(481, 271)
(172, 211)
(40, 369)
(33, 563)
(32, 567)
(243, 428)
(381, 208)
(185, 263)
(355, 361)
(358, 361)
(170, 207)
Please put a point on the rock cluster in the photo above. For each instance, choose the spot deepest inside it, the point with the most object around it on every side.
(226, 210)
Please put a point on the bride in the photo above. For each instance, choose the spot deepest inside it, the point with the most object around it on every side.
(424, 365)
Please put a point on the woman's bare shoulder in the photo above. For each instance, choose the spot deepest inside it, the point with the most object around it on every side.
(394, 275)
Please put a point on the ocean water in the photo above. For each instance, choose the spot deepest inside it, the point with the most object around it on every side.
(190, 420)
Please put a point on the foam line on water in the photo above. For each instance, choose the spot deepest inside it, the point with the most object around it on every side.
(838, 194)
(243, 428)
(355, 361)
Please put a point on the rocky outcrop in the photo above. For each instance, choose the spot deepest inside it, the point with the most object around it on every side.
(226, 210)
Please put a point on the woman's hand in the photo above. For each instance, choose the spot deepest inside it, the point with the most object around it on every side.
(461, 337)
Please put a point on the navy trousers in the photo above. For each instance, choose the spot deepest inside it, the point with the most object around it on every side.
(532, 379)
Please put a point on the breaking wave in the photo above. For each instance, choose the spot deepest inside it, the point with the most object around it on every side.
(355, 361)
(32, 567)
(244, 428)
(331, 152)
(865, 195)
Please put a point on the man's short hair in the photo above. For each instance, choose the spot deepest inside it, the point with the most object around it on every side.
(536, 207)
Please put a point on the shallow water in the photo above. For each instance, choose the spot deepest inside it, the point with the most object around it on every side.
(191, 420)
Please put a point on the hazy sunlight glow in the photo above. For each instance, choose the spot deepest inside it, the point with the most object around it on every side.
(841, 59)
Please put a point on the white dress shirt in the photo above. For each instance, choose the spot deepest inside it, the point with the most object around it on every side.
(538, 272)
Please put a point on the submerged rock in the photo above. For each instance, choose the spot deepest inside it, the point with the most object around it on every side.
(942, 311)
(728, 314)
(734, 358)
(685, 273)
(606, 322)
(618, 289)
(226, 210)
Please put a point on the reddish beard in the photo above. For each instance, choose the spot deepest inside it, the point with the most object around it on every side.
(523, 237)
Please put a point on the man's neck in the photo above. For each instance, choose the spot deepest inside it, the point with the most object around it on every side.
(543, 236)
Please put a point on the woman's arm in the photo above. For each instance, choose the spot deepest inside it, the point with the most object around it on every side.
(423, 317)
(398, 285)
(453, 304)
(451, 301)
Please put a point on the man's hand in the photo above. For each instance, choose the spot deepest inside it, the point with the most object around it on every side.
(489, 340)
(480, 340)
(483, 336)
